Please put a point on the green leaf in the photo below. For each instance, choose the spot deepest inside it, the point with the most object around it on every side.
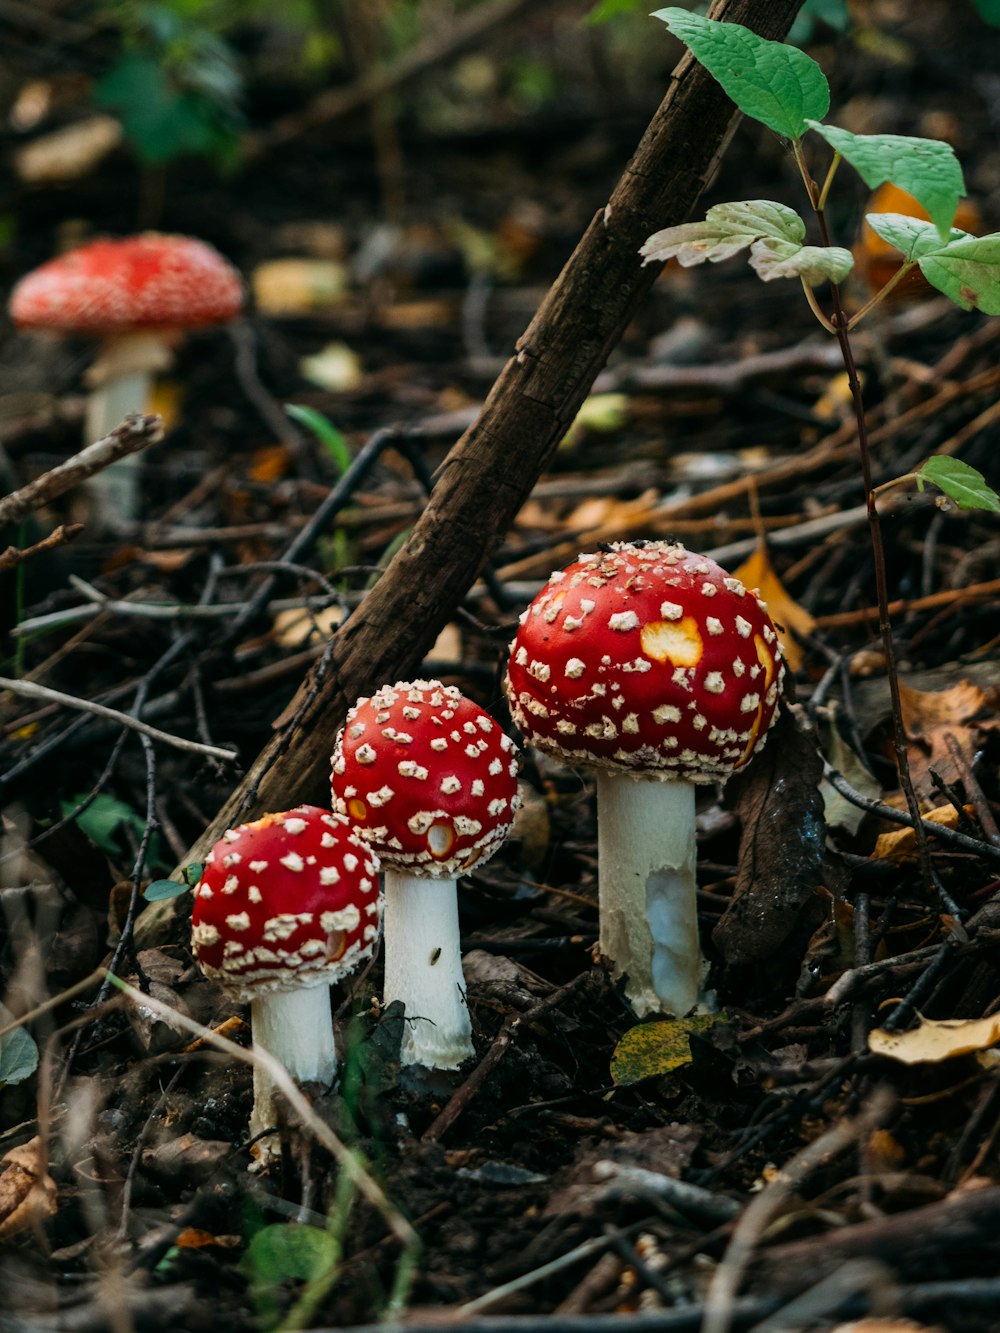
(925, 168)
(161, 889)
(813, 263)
(966, 268)
(914, 237)
(286, 1251)
(103, 820)
(325, 431)
(652, 1049)
(968, 271)
(773, 232)
(18, 1054)
(960, 482)
(988, 11)
(776, 84)
(727, 229)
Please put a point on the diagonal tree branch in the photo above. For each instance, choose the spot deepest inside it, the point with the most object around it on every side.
(493, 467)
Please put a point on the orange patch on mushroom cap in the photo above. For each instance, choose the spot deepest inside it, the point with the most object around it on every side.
(676, 641)
(356, 808)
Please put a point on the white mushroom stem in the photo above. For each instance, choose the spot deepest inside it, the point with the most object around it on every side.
(296, 1027)
(648, 891)
(423, 968)
(120, 383)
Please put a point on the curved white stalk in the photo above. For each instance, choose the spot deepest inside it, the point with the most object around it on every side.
(648, 892)
(296, 1027)
(423, 968)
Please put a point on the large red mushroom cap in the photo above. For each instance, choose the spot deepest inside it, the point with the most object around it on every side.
(288, 901)
(427, 776)
(151, 281)
(649, 659)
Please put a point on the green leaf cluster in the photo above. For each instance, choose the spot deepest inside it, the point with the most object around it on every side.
(786, 90)
(175, 87)
(773, 233)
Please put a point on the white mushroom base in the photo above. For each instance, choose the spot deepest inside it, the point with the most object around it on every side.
(648, 891)
(296, 1027)
(423, 969)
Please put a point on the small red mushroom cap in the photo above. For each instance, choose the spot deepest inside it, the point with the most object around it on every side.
(151, 281)
(288, 901)
(646, 658)
(427, 776)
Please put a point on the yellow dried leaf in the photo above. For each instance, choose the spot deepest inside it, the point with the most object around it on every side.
(297, 286)
(652, 1049)
(336, 368)
(935, 1040)
(901, 844)
(68, 153)
(758, 572)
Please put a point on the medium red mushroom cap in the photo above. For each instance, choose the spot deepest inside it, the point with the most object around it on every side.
(649, 659)
(151, 281)
(427, 776)
(288, 901)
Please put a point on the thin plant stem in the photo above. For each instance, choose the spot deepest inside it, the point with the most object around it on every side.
(815, 307)
(881, 294)
(821, 201)
(841, 329)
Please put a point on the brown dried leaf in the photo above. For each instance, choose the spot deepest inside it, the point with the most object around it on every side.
(781, 861)
(788, 616)
(27, 1191)
(924, 711)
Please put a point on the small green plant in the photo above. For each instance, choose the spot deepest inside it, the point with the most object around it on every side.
(785, 89)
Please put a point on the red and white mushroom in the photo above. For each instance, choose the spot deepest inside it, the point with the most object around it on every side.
(286, 906)
(136, 295)
(647, 662)
(430, 781)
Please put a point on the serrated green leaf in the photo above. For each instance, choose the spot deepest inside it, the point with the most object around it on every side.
(968, 271)
(777, 84)
(652, 1049)
(773, 232)
(813, 263)
(161, 889)
(926, 168)
(960, 482)
(912, 236)
(18, 1054)
(727, 229)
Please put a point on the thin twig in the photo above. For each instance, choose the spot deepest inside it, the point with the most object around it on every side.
(14, 556)
(136, 432)
(29, 690)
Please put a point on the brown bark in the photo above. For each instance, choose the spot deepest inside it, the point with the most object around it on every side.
(491, 470)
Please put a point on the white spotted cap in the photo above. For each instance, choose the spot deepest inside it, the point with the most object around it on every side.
(649, 659)
(288, 901)
(428, 778)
